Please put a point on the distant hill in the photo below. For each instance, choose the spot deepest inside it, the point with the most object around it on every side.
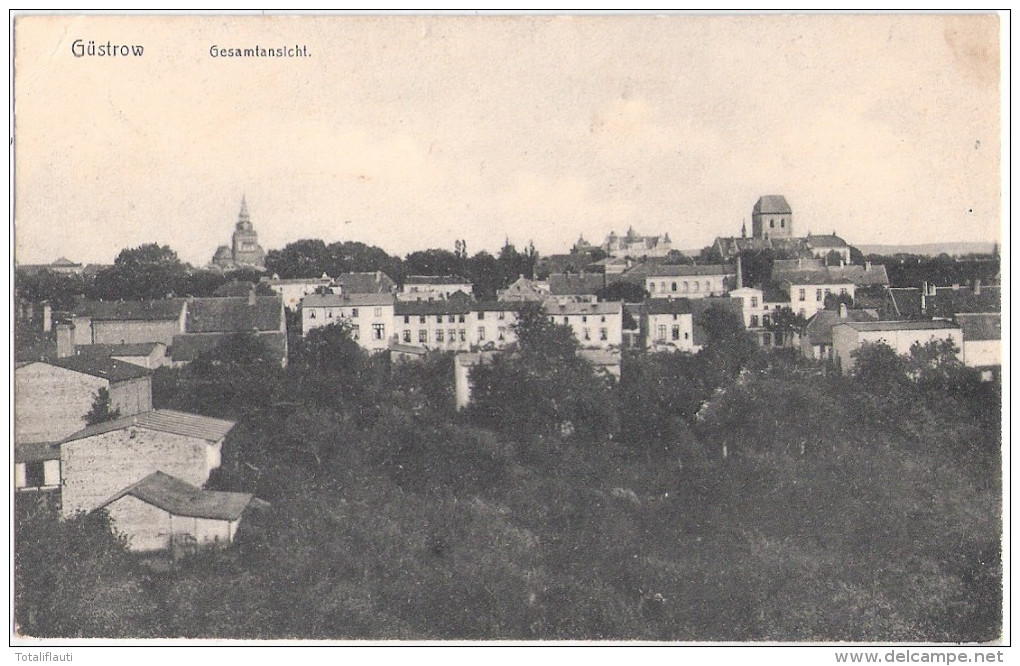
(930, 249)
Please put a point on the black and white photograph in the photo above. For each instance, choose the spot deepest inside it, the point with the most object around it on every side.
(510, 330)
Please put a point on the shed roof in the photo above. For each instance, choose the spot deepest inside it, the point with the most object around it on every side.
(163, 420)
(36, 451)
(819, 327)
(825, 240)
(183, 499)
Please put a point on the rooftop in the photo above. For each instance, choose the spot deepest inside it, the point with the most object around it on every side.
(819, 327)
(980, 325)
(183, 499)
(772, 204)
(566, 284)
(346, 300)
(163, 420)
(103, 367)
(899, 325)
(656, 306)
(166, 309)
(366, 283)
(610, 308)
(235, 314)
(436, 279)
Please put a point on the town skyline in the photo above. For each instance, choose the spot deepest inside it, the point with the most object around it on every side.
(668, 125)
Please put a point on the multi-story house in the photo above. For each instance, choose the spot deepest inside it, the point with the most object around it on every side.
(433, 287)
(669, 325)
(686, 281)
(598, 325)
(370, 316)
(849, 336)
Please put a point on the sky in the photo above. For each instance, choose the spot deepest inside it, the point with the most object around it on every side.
(416, 131)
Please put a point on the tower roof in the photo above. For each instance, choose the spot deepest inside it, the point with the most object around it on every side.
(243, 219)
(772, 204)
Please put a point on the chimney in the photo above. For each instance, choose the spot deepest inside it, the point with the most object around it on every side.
(740, 274)
(47, 317)
(842, 310)
(977, 286)
(867, 266)
(65, 340)
(251, 296)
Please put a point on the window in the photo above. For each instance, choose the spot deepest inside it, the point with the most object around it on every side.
(451, 335)
(379, 331)
(708, 286)
(450, 319)
(686, 335)
(566, 321)
(355, 332)
(423, 336)
(818, 294)
(407, 335)
(673, 286)
(421, 319)
(462, 333)
(587, 334)
(460, 319)
(584, 319)
(378, 312)
(603, 319)
(651, 287)
(782, 223)
(772, 224)
(35, 474)
(311, 314)
(439, 335)
(662, 332)
(766, 320)
(603, 334)
(329, 314)
(502, 333)
(502, 315)
(407, 319)
(842, 292)
(481, 333)
(754, 321)
(687, 286)
(754, 301)
(676, 332)
(354, 312)
(662, 286)
(481, 315)
(801, 294)
(695, 286)
(439, 319)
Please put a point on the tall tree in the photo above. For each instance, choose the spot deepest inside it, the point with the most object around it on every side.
(102, 408)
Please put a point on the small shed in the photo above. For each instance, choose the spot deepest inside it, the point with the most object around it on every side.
(161, 512)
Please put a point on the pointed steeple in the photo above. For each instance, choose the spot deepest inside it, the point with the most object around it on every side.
(243, 220)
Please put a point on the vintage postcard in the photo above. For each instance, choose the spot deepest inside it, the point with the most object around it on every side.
(678, 329)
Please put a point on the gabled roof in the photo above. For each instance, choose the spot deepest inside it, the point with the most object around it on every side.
(166, 309)
(188, 347)
(682, 270)
(566, 284)
(805, 263)
(235, 314)
(130, 349)
(857, 275)
(657, 306)
(347, 300)
(103, 367)
(819, 327)
(366, 283)
(906, 301)
(163, 420)
(183, 499)
(440, 307)
(898, 325)
(980, 325)
(772, 204)
(606, 307)
(825, 240)
(952, 300)
(435, 279)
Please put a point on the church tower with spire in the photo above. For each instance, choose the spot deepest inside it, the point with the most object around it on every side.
(244, 251)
